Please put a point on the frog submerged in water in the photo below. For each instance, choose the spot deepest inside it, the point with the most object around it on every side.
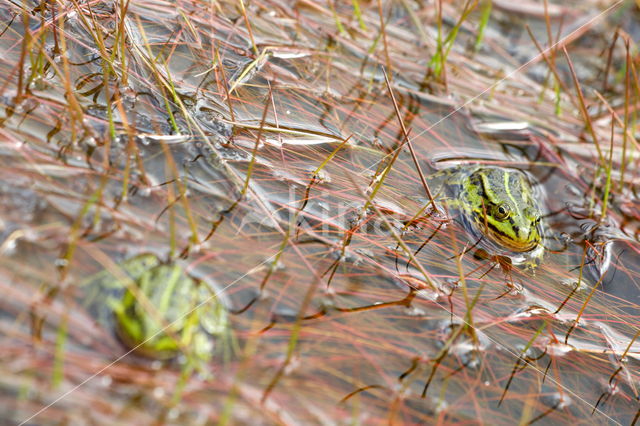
(499, 204)
(163, 311)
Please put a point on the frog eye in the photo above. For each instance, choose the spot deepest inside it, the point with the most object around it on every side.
(502, 212)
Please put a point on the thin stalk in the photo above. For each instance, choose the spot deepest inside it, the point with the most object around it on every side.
(485, 14)
(336, 17)
(357, 12)
(254, 152)
(383, 31)
(627, 99)
(246, 19)
(61, 338)
(20, 90)
(583, 106)
(407, 141)
(389, 226)
(607, 186)
(552, 67)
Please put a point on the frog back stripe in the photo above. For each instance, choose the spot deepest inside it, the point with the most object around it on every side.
(516, 184)
(482, 216)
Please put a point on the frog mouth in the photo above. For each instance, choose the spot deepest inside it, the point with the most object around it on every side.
(515, 245)
(485, 228)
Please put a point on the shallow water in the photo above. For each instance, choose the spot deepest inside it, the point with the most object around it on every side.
(340, 310)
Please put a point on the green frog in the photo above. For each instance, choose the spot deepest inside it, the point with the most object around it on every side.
(162, 311)
(496, 203)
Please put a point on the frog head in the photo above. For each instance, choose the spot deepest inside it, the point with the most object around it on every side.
(502, 205)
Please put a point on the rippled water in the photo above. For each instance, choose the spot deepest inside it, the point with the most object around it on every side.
(274, 177)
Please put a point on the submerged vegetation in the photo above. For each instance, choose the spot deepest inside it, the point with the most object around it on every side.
(221, 212)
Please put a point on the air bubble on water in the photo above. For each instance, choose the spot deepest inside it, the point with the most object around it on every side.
(323, 177)
(144, 191)
(430, 295)
(9, 247)
(414, 311)
(279, 265)
(441, 406)
(173, 413)
(558, 349)
(558, 400)
(158, 392)
(201, 417)
(293, 365)
(61, 262)
(105, 381)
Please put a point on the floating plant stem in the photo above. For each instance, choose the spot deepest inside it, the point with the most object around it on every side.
(623, 365)
(225, 82)
(255, 64)
(74, 234)
(293, 339)
(395, 235)
(520, 360)
(164, 85)
(314, 177)
(182, 194)
(359, 390)
(584, 305)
